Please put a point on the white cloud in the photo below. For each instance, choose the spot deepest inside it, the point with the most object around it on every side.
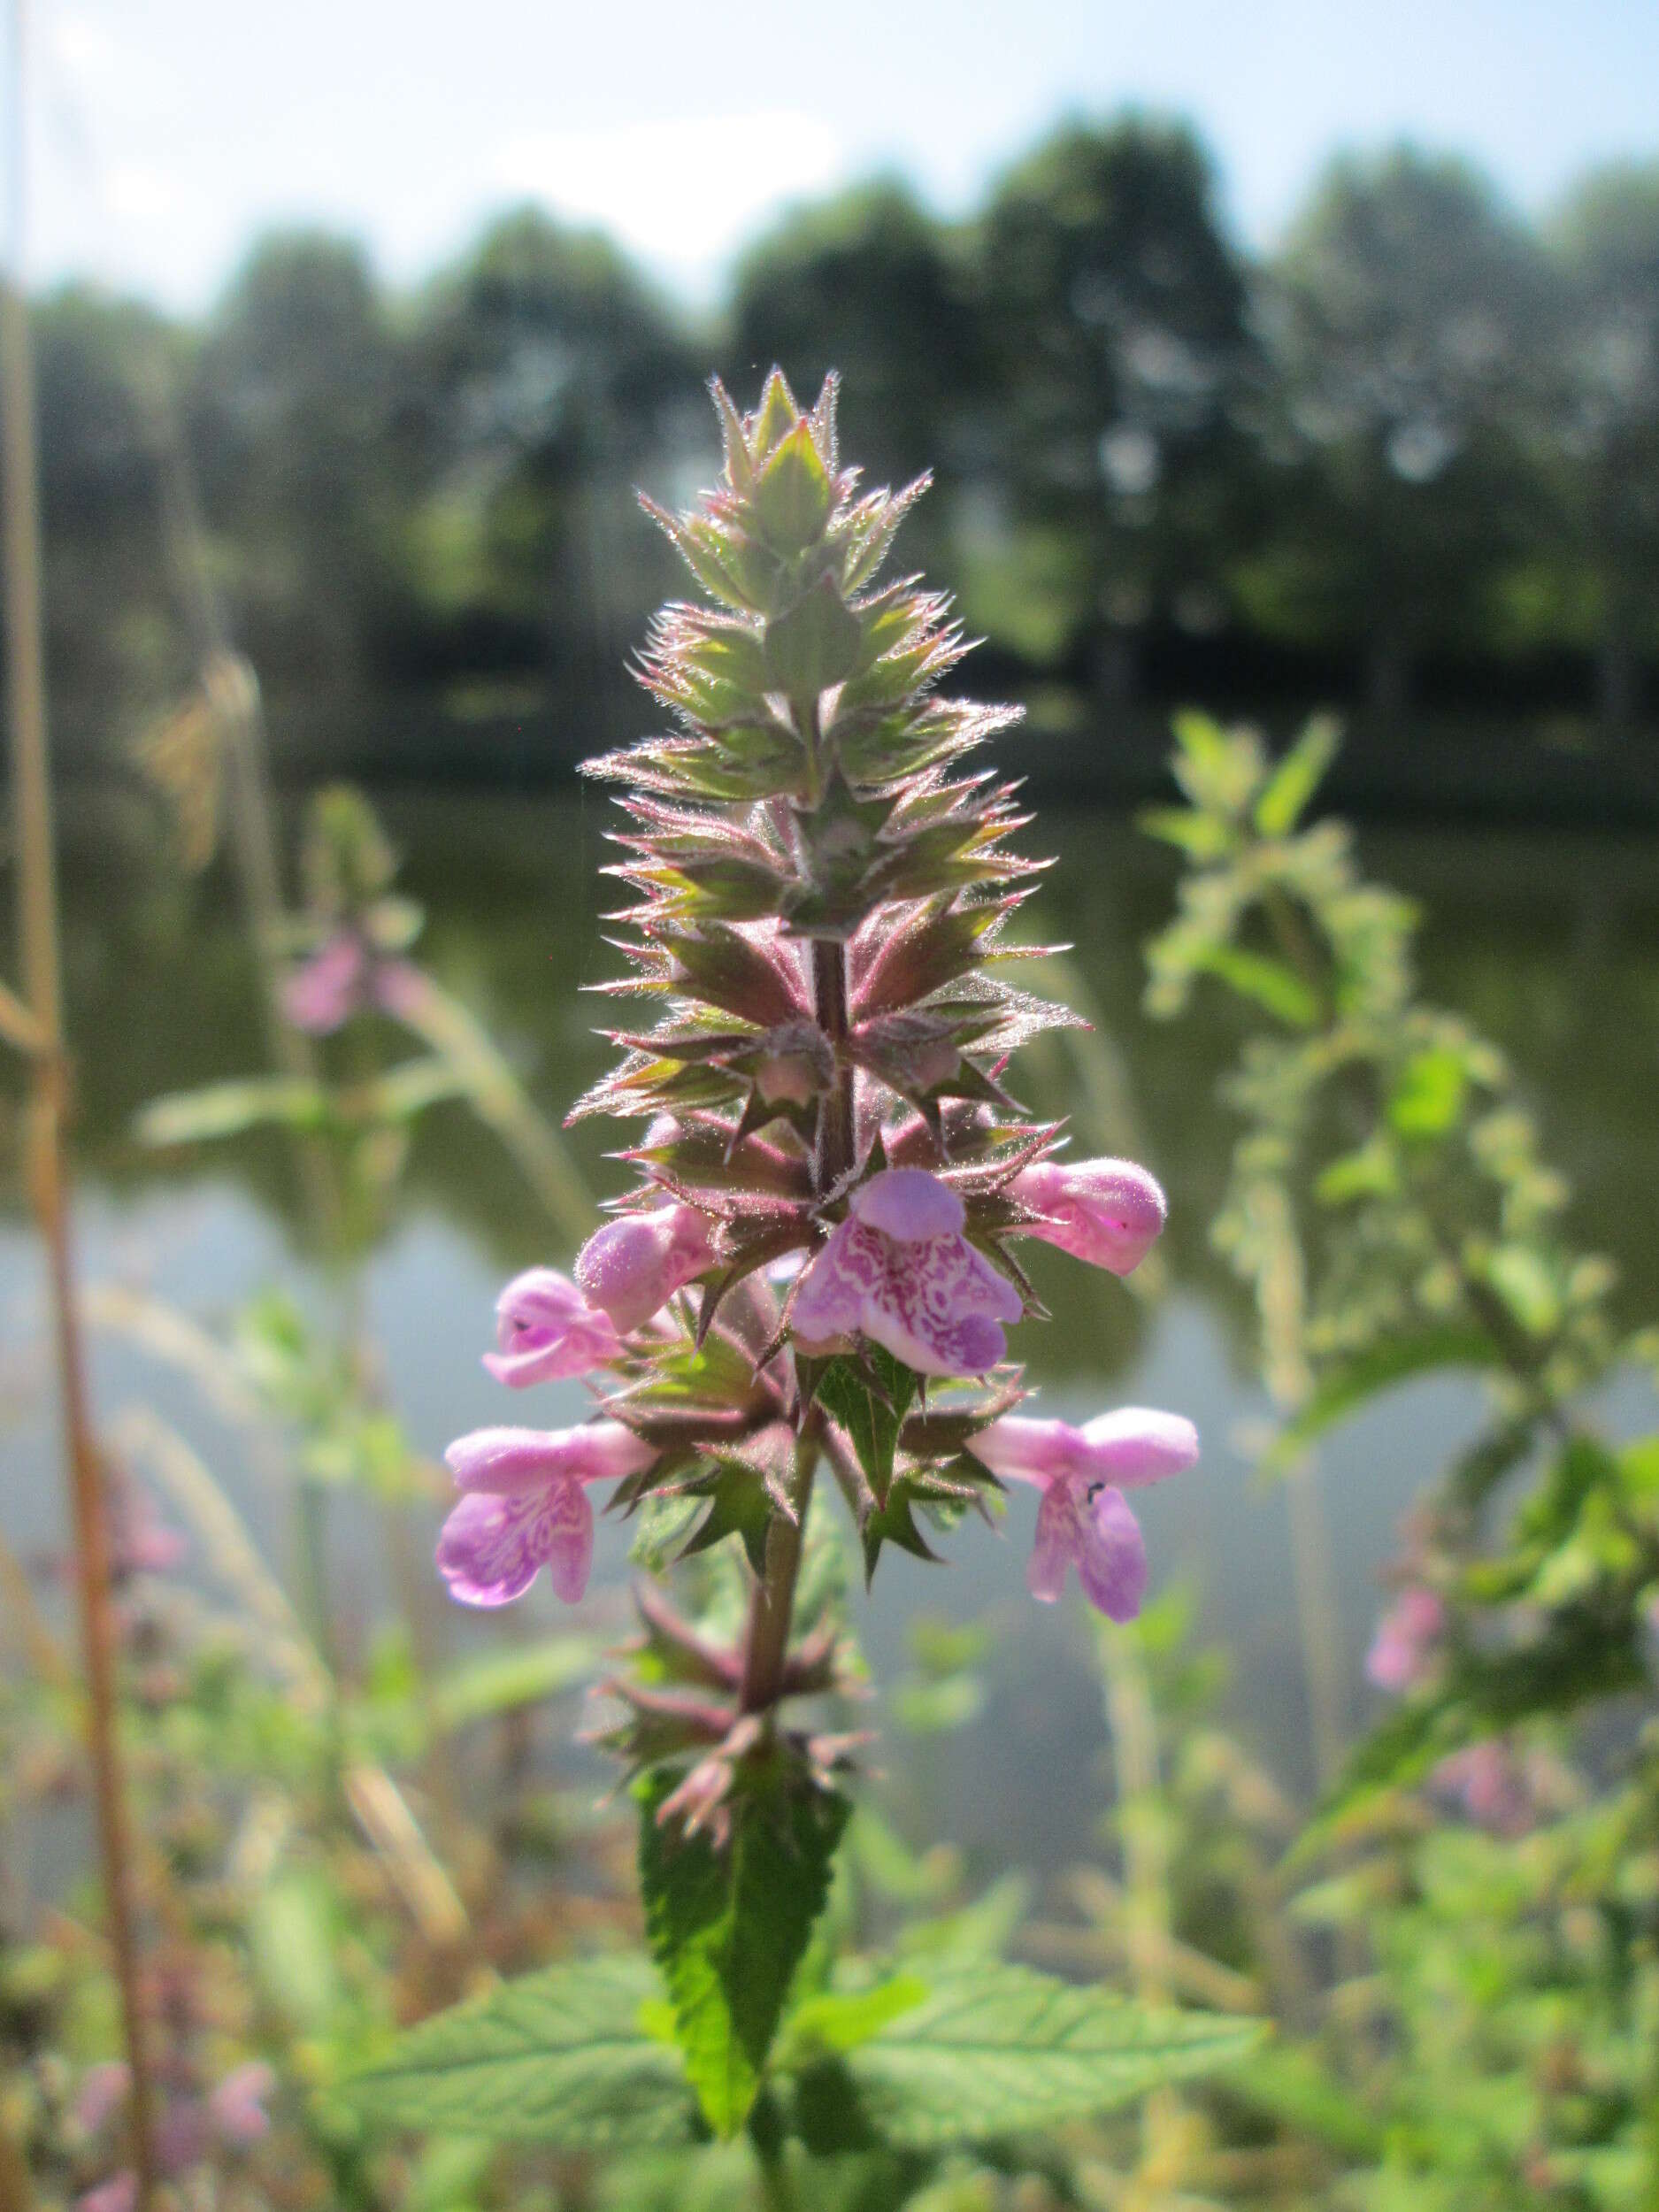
(683, 192)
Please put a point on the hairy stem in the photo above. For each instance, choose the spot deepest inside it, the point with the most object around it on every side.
(766, 1641)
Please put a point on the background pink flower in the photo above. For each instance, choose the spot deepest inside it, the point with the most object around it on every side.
(1403, 1648)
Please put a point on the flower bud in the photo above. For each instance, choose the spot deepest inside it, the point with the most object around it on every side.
(631, 1268)
(1107, 1212)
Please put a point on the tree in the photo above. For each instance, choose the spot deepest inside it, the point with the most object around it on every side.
(293, 419)
(547, 379)
(115, 647)
(1405, 315)
(869, 284)
(1606, 418)
(1117, 315)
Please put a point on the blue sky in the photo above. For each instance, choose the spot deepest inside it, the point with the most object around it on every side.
(166, 133)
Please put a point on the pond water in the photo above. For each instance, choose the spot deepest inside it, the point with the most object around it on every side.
(1550, 944)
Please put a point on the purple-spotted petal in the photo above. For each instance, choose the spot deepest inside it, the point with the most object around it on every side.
(1053, 1547)
(940, 1305)
(830, 1297)
(547, 1332)
(1112, 1561)
(492, 1548)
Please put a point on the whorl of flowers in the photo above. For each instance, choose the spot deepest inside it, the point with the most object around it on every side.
(814, 1268)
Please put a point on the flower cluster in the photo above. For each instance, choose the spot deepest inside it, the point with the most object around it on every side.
(817, 1266)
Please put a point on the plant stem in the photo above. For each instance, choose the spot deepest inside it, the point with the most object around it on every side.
(766, 1639)
(47, 1171)
(835, 1136)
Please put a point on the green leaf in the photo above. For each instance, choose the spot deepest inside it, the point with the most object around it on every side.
(792, 498)
(839, 2020)
(1370, 1172)
(1345, 1386)
(1256, 975)
(507, 1680)
(728, 1922)
(1291, 2086)
(224, 1109)
(813, 644)
(870, 1400)
(998, 2050)
(1579, 1657)
(1524, 1281)
(1428, 1093)
(566, 2056)
(1297, 777)
(1202, 836)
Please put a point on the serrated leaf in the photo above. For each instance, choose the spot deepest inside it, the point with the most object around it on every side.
(728, 1922)
(870, 1399)
(1001, 2050)
(563, 2057)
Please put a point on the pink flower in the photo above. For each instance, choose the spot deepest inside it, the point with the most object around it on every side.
(1108, 1212)
(102, 2093)
(1084, 1518)
(547, 1330)
(631, 1268)
(527, 1509)
(236, 2107)
(1491, 1785)
(119, 2193)
(342, 978)
(1403, 1649)
(900, 1271)
(323, 993)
